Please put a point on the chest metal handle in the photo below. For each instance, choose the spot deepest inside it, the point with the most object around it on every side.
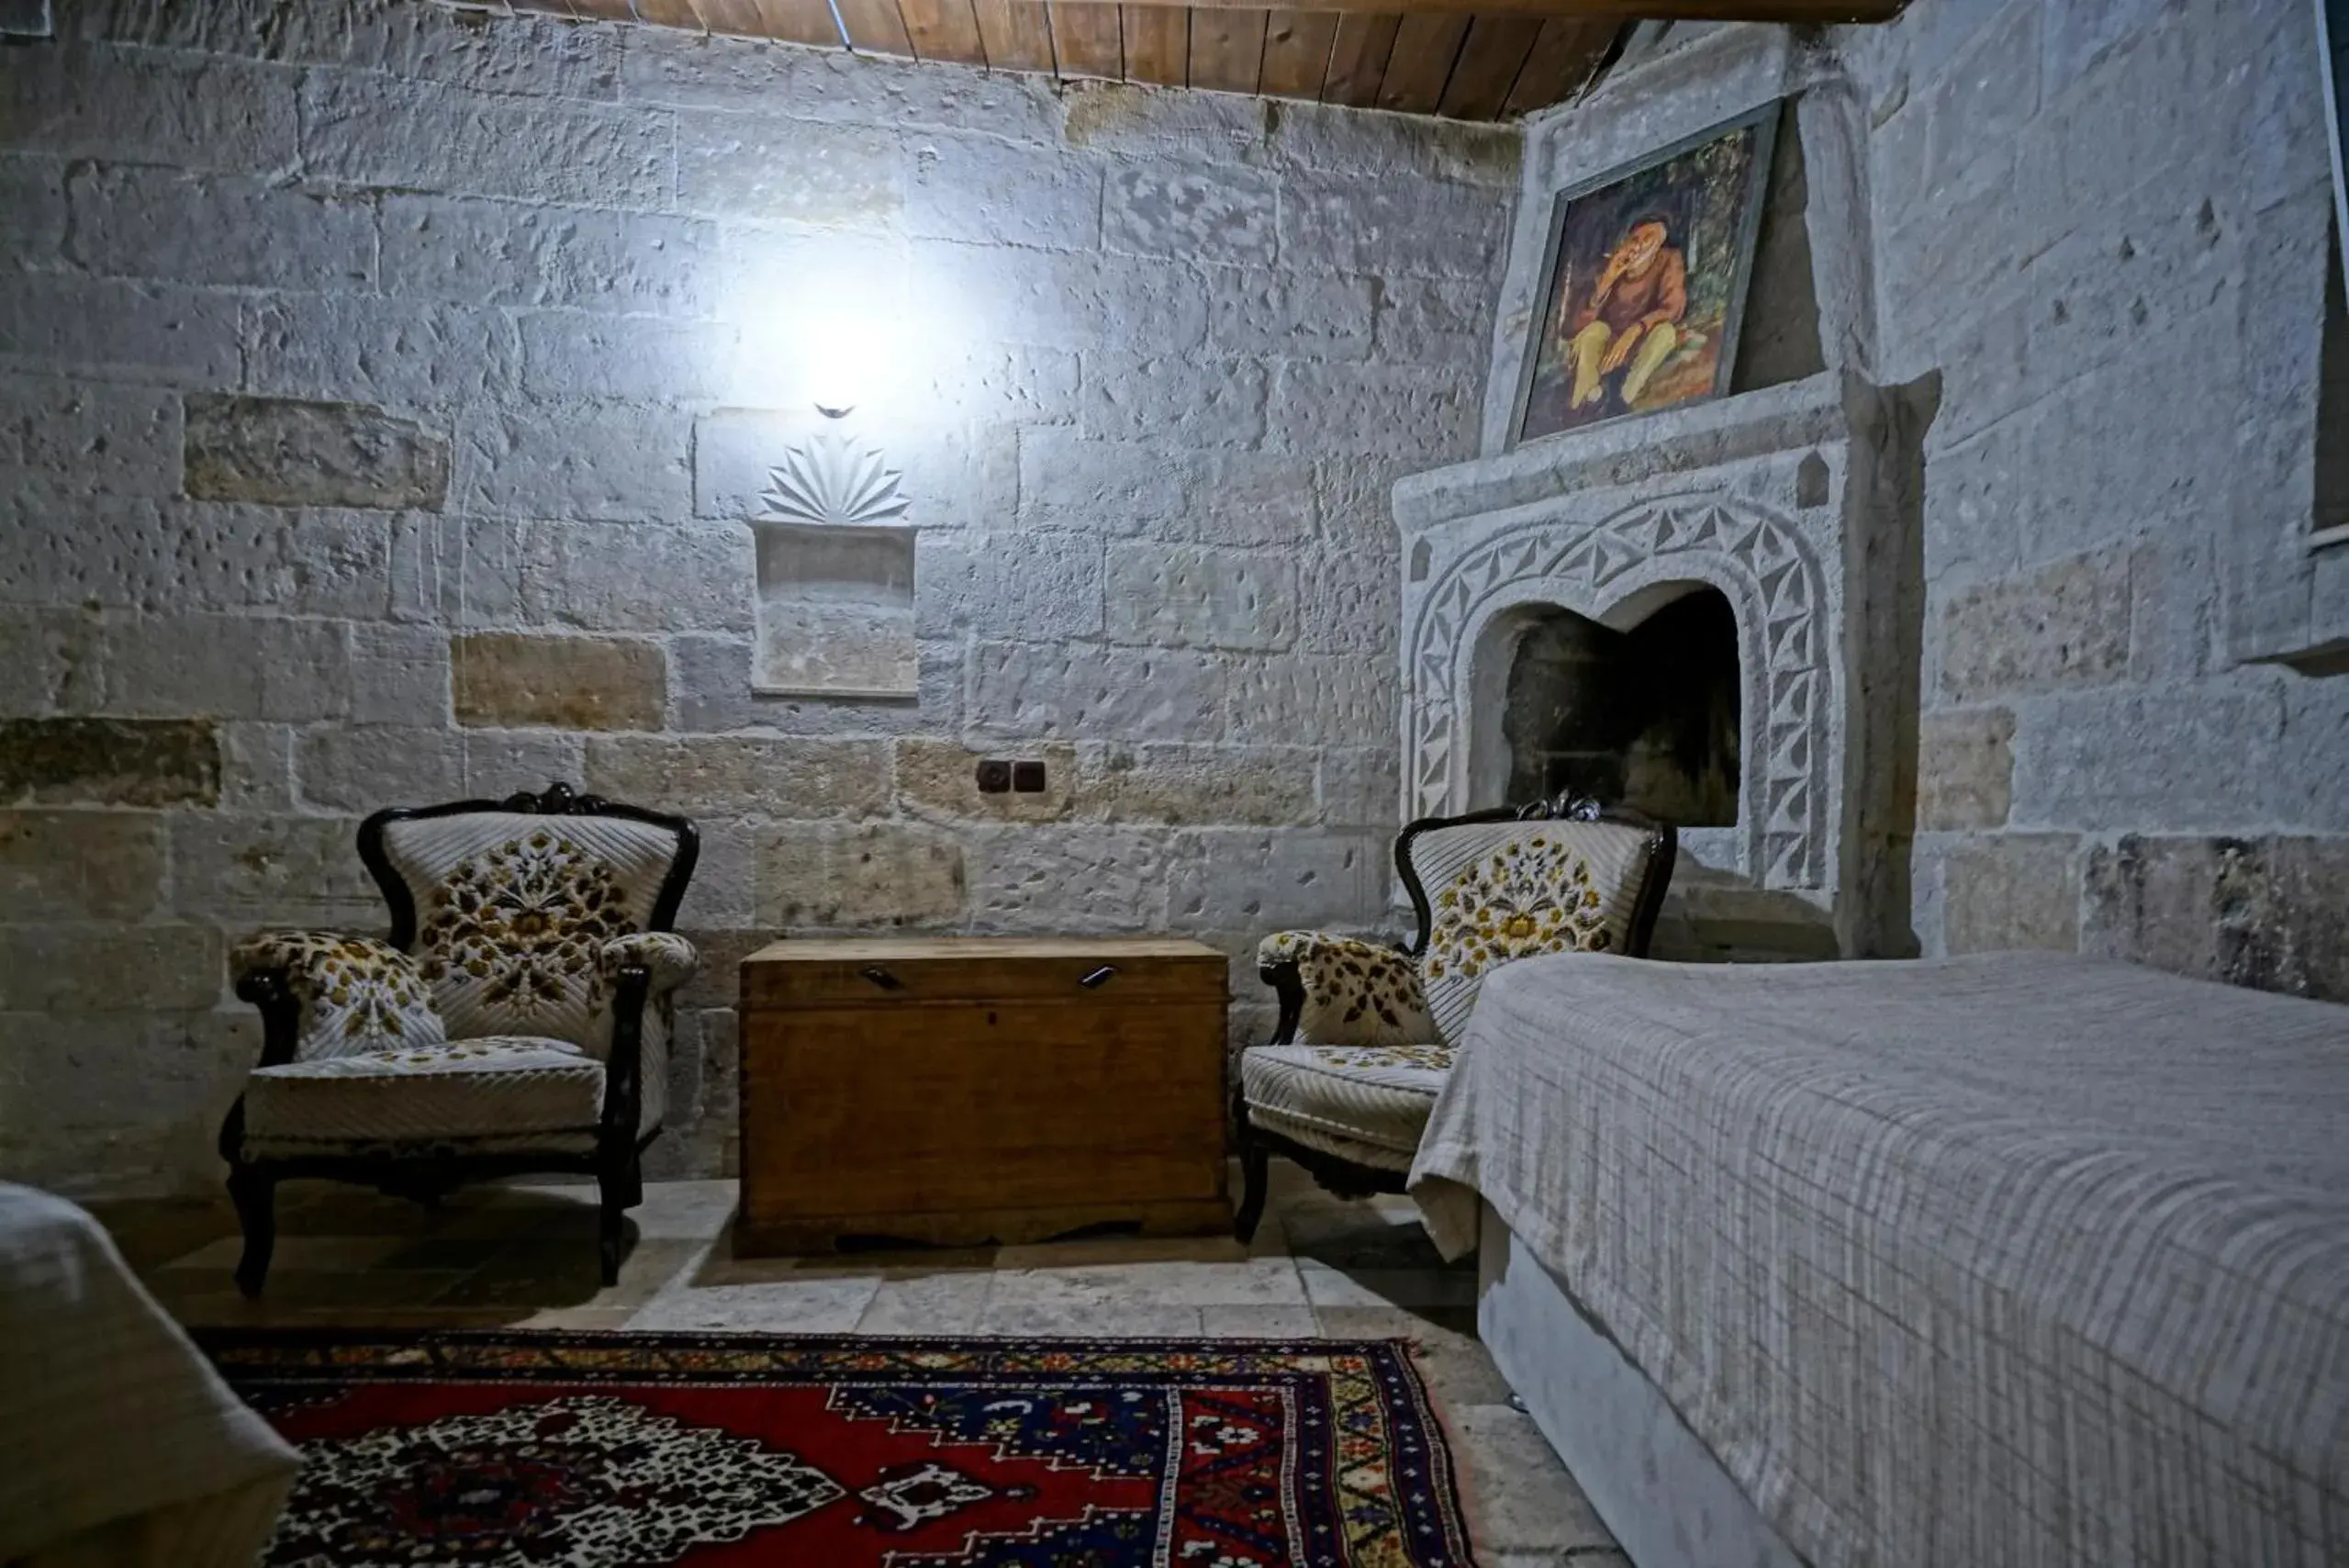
(882, 977)
(1100, 977)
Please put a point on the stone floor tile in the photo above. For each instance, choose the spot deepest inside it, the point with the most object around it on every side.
(564, 1273)
(1519, 1497)
(330, 1253)
(1090, 1320)
(953, 1302)
(1124, 1250)
(1258, 1323)
(1265, 1281)
(1329, 1287)
(200, 1297)
(1458, 1372)
(780, 1306)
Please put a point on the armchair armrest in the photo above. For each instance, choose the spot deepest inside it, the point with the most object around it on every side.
(1343, 991)
(667, 959)
(323, 994)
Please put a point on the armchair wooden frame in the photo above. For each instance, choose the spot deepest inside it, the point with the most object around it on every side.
(1351, 1179)
(428, 1174)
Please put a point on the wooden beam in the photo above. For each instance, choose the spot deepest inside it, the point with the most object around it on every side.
(1357, 58)
(1085, 41)
(1565, 59)
(1614, 10)
(1296, 53)
(1157, 46)
(943, 29)
(1421, 63)
(1228, 50)
(1016, 33)
(1487, 68)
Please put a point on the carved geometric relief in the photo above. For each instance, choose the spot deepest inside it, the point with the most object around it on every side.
(1760, 560)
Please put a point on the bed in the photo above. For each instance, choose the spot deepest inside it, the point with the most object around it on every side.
(2018, 1258)
(119, 1445)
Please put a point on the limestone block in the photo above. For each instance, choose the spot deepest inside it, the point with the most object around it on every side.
(80, 967)
(359, 129)
(1226, 215)
(1361, 787)
(744, 775)
(1313, 699)
(1422, 321)
(1375, 223)
(1063, 300)
(399, 675)
(1199, 595)
(80, 865)
(1062, 878)
(824, 877)
(583, 258)
(225, 230)
(1965, 767)
(534, 56)
(273, 870)
(504, 681)
(2181, 758)
(2011, 890)
(135, 105)
(2066, 625)
(939, 780)
(1427, 412)
(356, 770)
(691, 70)
(32, 193)
(711, 677)
(735, 167)
(1973, 512)
(257, 767)
(2308, 793)
(1393, 147)
(117, 440)
(498, 762)
(1246, 498)
(659, 577)
(587, 464)
(1186, 401)
(1042, 585)
(1351, 599)
(109, 762)
(1130, 694)
(52, 658)
(1990, 92)
(283, 452)
(1237, 879)
(2272, 914)
(397, 354)
(1001, 382)
(987, 193)
(1186, 785)
(227, 666)
(1069, 481)
(581, 353)
(160, 335)
(722, 891)
(1253, 311)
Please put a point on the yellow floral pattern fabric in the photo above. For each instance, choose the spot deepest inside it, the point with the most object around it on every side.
(1356, 992)
(670, 958)
(358, 996)
(520, 928)
(1499, 891)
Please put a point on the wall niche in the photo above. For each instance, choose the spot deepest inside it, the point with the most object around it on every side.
(836, 577)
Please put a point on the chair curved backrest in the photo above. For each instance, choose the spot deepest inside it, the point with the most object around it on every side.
(506, 904)
(1556, 876)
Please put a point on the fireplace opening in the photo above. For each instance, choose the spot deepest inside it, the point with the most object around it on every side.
(1646, 718)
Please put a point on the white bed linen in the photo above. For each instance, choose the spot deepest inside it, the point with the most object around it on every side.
(118, 1442)
(2017, 1260)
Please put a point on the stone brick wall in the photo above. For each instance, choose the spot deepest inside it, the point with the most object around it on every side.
(2104, 221)
(382, 390)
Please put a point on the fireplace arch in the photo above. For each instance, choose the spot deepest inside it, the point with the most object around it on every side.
(1617, 572)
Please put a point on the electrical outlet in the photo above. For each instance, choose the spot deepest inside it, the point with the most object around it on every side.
(1027, 778)
(994, 777)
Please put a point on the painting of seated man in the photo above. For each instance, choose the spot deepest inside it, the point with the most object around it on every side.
(1645, 286)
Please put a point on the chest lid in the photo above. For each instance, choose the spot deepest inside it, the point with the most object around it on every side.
(864, 971)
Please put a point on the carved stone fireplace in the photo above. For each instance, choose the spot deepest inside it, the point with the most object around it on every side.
(1710, 613)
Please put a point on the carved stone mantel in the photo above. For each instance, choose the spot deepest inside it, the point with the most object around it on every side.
(1798, 503)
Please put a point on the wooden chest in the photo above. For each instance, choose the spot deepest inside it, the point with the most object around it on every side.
(962, 1089)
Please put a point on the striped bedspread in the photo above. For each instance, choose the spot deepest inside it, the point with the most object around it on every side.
(2011, 1259)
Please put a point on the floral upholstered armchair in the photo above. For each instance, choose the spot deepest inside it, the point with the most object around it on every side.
(1368, 1032)
(517, 1019)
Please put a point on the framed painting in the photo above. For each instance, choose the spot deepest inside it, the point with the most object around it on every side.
(1643, 283)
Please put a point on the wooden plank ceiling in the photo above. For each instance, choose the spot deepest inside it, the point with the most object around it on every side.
(1468, 66)
(1478, 60)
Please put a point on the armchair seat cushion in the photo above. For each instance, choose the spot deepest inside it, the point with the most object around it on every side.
(516, 1089)
(1367, 1104)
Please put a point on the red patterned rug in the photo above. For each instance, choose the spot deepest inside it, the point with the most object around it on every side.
(613, 1450)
